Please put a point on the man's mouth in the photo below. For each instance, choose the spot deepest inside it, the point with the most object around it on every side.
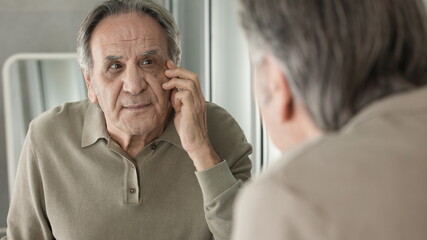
(135, 107)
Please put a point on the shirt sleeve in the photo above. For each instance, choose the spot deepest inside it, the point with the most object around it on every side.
(27, 218)
(268, 211)
(220, 185)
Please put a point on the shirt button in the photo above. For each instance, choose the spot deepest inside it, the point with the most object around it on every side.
(132, 166)
(132, 190)
(154, 146)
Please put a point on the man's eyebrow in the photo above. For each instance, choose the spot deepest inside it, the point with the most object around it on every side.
(112, 58)
(151, 52)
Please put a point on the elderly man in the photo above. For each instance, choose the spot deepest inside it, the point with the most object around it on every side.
(341, 88)
(121, 166)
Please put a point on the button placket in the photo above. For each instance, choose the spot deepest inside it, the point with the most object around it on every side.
(132, 188)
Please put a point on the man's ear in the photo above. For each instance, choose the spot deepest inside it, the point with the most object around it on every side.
(91, 93)
(281, 96)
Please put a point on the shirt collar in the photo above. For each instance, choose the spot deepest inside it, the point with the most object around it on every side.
(171, 135)
(94, 128)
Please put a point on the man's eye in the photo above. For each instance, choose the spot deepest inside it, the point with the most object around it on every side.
(147, 62)
(115, 66)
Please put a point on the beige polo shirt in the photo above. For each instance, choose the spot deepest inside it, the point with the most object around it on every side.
(366, 182)
(75, 182)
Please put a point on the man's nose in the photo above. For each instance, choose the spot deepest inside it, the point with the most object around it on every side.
(134, 81)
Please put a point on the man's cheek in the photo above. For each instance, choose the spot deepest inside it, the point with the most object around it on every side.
(163, 95)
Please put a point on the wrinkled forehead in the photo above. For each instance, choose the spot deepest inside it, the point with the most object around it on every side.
(131, 31)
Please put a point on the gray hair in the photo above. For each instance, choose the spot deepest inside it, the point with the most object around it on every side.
(117, 7)
(341, 55)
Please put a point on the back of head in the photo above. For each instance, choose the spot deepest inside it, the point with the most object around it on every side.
(341, 55)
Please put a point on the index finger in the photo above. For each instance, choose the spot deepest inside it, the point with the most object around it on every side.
(177, 72)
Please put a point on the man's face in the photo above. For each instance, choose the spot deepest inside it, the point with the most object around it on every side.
(129, 53)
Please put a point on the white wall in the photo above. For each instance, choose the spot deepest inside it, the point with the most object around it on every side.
(191, 18)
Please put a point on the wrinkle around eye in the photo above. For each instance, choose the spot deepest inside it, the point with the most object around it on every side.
(150, 64)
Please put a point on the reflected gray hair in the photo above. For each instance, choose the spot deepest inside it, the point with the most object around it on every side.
(341, 55)
(117, 7)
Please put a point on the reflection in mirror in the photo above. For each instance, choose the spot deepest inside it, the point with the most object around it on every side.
(32, 84)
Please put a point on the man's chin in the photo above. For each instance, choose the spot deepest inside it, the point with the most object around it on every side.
(138, 128)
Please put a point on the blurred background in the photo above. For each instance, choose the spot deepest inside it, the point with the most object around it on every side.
(39, 69)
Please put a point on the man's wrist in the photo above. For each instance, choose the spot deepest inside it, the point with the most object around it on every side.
(204, 157)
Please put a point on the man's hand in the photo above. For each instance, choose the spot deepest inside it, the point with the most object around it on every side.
(190, 116)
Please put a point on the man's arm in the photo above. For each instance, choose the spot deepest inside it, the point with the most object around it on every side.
(27, 213)
(220, 155)
(220, 185)
(190, 118)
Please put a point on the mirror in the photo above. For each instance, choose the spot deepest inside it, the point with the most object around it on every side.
(32, 84)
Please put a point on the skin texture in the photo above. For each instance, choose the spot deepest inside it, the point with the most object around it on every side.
(135, 85)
